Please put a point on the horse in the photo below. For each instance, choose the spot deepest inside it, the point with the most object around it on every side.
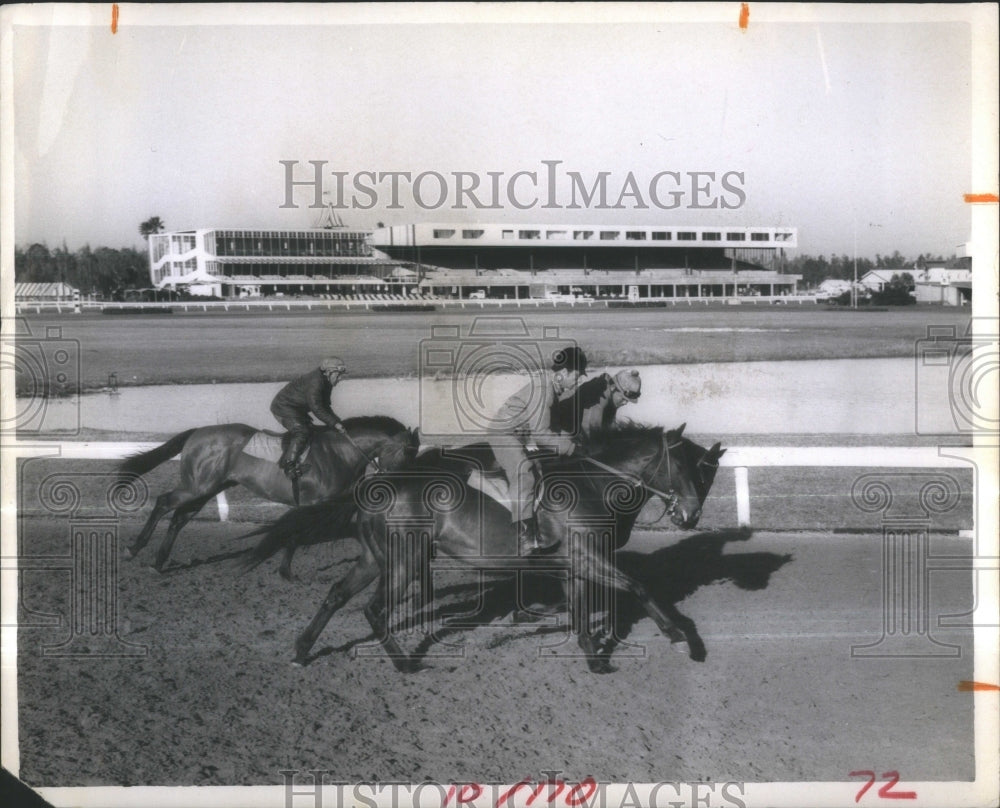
(213, 459)
(427, 507)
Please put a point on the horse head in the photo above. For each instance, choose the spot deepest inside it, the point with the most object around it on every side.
(685, 473)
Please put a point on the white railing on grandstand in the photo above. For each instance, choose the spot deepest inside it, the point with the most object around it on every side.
(739, 458)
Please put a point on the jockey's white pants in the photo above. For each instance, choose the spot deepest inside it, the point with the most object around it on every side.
(513, 459)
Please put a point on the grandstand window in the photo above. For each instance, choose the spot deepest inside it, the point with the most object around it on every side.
(556, 235)
(661, 235)
(711, 236)
(532, 234)
(736, 236)
(760, 237)
(444, 233)
(507, 234)
(686, 235)
(609, 235)
(583, 235)
(635, 235)
(782, 236)
(472, 233)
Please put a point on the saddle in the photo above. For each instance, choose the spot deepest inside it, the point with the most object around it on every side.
(267, 445)
(484, 475)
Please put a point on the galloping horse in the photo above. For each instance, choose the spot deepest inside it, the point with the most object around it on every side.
(427, 507)
(213, 459)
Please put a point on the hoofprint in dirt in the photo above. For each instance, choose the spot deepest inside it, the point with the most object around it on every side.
(214, 699)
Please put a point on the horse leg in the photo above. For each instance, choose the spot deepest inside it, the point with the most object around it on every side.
(184, 513)
(579, 606)
(603, 572)
(379, 612)
(164, 504)
(360, 575)
(285, 570)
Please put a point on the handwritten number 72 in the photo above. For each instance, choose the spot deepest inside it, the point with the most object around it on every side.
(886, 791)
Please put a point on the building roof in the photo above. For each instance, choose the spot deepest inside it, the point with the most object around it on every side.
(43, 290)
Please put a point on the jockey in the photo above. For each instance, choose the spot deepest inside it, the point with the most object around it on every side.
(620, 389)
(594, 404)
(300, 397)
(525, 419)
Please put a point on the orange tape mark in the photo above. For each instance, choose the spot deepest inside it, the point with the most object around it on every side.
(114, 18)
(744, 16)
(974, 199)
(966, 686)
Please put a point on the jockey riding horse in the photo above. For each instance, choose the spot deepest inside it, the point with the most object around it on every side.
(292, 406)
(525, 420)
(595, 403)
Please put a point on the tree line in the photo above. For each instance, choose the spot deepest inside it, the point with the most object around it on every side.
(816, 269)
(102, 271)
(105, 271)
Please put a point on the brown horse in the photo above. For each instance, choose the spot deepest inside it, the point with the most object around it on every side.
(212, 460)
(426, 509)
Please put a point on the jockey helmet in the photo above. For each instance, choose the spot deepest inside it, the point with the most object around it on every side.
(630, 384)
(570, 358)
(333, 364)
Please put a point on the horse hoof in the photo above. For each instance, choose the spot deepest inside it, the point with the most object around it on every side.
(299, 663)
(602, 666)
(130, 554)
(681, 647)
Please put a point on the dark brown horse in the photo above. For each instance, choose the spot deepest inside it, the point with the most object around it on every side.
(426, 509)
(212, 460)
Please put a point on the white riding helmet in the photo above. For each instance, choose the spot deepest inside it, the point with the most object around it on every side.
(333, 364)
(630, 384)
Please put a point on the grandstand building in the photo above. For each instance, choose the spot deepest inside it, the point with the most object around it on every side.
(253, 263)
(479, 261)
(522, 261)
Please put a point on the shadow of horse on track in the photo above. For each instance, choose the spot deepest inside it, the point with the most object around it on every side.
(669, 574)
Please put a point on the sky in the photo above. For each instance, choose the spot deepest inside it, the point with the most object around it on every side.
(851, 132)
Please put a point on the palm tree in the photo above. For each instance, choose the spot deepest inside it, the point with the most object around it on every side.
(152, 225)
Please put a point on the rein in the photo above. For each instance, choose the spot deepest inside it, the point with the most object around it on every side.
(372, 460)
(669, 497)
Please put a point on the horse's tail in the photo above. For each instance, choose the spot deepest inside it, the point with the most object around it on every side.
(309, 524)
(147, 461)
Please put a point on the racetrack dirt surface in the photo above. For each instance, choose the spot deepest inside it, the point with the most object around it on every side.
(213, 700)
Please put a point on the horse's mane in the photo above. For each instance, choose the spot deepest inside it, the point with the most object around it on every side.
(382, 423)
(619, 440)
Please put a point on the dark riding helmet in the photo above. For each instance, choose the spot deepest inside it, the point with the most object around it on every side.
(570, 358)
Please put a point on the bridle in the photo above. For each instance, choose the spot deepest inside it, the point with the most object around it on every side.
(669, 496)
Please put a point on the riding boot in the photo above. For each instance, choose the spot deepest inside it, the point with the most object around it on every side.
(290, 462)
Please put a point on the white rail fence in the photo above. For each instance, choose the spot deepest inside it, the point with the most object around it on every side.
(282, 305)
(739, 458)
